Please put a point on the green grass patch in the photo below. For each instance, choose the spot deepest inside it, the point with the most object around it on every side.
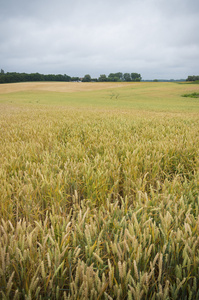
(194, 82)
(191, 95)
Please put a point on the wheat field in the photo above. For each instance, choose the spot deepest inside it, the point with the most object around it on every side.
(60, 86)
(99, 193)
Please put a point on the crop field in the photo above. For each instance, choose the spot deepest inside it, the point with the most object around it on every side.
(99, 191)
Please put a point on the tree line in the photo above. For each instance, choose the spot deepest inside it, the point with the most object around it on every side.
(192, 78)
(120, 77)
(11, 77)
(114, 77)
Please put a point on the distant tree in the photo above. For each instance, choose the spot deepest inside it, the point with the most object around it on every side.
(102, 78)
(127, 77)
(60, 77)
(87, 78)
(50, 77)
(2, 78)
(75, 79)
(36, 77)
(111, 77)
(136, 77)
(192, 78)
(115, 76)
(189, 78)
(155, 80)
(67, 78)
(24, 77)
(119, 75)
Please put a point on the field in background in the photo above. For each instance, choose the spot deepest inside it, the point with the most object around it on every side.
(140, 96)
(99, 191)
(70, 87)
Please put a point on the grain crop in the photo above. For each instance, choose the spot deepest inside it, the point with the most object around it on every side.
(100, 193)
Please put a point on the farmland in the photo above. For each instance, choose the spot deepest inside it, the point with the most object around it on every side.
(99, 191)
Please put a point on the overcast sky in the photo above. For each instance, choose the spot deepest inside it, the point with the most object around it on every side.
(156, 38)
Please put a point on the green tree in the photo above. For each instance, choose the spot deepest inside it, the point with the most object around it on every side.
(115, 76)
(119, 75)
(102, 78)
(75, 79)
(127, 77)
(136, 77)
(87, 78)
(193, 78)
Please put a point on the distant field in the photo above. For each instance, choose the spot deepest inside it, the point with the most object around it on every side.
(99, 194)
(58, 86)
(139, 96)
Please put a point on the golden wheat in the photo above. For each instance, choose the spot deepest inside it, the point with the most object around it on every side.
(98, 205)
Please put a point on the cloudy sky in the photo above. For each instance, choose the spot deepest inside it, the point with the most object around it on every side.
(157, 38)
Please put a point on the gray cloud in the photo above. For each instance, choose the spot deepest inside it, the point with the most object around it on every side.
(156, 38)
